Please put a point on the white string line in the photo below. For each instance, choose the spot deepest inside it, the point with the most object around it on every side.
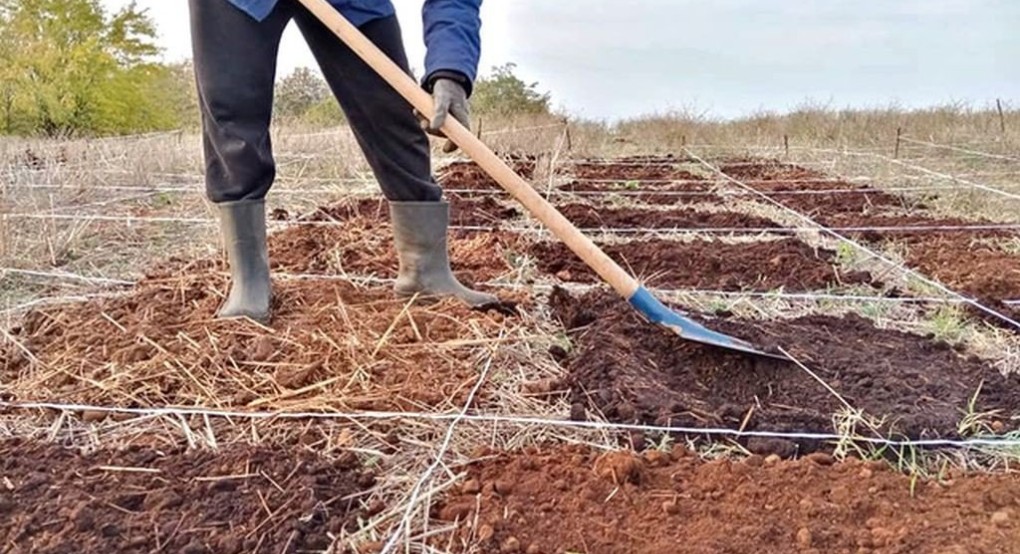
(56, 300)
(583, 287)
(930, 172)
(494, 418)
(909, 271)
(778, 229)
(961, 150)
(198, 189)
(63, 275)
(196, 177)
(405, 521)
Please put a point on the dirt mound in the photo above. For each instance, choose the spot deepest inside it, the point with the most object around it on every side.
(575, 500)
(856, 209)
(599, 217)
(464, 211)
(237, 499)
(359, 246)
(758, 169)
(656, 194)
(331, 347)
(630, 171)
(365, 248)
(469, 176)
(713, 265)
(635, 372)
(976, 269)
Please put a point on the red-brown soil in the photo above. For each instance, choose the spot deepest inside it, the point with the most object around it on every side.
(962, 259)
(571, 499)
(600, 217)
(464, 211)
(469, 176)
(331, 347)
(630, 171)
(976, 268)
(142, 500)
(635, 372)
(762, 266)
(657, 194)
(980, 270)
(363, 248)
(758, 169)
(360, 245)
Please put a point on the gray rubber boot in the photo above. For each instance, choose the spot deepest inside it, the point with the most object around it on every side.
(243, 226)
(419, 231)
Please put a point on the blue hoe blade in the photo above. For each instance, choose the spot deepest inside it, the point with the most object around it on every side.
(656, 312)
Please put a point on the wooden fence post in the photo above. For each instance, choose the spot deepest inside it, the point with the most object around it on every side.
(786, 144)
(1002, 116)
(899, 137)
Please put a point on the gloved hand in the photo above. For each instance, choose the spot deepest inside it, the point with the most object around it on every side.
(449, 97)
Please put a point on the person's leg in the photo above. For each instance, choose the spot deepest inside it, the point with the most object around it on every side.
(235, 69)
(397, 149)
(384, 124)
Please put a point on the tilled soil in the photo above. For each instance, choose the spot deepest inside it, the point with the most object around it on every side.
(601, 217)
(330, 347)
(571, 499)
(980, 270)
(630, 171)
(469, 176)
(360, 246)
(912, 386)
(140, 499)
(757, 169)
(656, 194)
(364, 248)
(464, 211)
(761, 266)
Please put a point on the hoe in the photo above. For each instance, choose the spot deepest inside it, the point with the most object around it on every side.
(650, 308)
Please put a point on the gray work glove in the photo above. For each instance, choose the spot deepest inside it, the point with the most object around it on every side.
(449, 97)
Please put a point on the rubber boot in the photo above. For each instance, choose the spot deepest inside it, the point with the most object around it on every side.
(243, 226)
(419, 231)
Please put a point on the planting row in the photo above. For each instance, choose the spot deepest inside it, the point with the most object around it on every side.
(977, 262)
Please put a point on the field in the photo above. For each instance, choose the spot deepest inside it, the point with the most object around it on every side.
(132, 421)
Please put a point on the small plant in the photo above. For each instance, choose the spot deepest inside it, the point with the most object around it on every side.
(846, 254)
(976, 423)
(948, 324)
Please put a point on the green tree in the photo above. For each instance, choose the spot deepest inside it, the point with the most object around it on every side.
(70, 67)
(298, 92)
(503, 93)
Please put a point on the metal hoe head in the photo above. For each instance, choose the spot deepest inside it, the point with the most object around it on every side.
(657, 312)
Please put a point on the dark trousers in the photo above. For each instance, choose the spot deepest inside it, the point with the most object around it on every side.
(235, 66)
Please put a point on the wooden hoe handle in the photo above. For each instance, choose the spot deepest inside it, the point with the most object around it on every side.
(542, 210)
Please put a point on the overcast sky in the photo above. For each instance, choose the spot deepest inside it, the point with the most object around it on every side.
(722, 57)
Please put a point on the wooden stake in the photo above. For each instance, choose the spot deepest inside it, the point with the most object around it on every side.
(478, 132)
(786, 144)
(899, 138)
(566, 128)
(1002, 116)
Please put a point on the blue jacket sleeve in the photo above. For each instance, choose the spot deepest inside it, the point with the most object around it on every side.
(452, 38)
